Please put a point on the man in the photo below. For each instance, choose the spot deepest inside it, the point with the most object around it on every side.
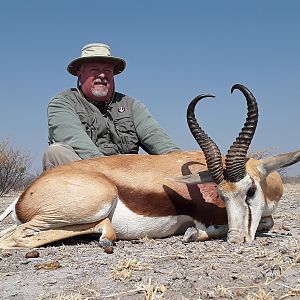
(94, 120)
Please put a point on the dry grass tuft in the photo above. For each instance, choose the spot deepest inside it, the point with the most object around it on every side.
(63, 296)
(292, 293)
(261, 295)
(76, 296)
(48, 266)
(175, 255)
(221, 291)
(124, 269)
(151, 291)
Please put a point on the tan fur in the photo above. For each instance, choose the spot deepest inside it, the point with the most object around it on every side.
(79, 198)
(72, 191)
(271, 185)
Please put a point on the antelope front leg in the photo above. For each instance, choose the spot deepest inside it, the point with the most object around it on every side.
(265, 224)
(194, 234)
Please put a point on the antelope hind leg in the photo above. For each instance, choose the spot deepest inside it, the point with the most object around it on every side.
(7, 230)
(108, 235)
(34, 233)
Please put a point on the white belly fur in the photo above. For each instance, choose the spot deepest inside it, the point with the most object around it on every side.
(129, 225)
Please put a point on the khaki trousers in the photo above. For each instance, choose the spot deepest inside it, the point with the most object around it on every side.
(58, 154)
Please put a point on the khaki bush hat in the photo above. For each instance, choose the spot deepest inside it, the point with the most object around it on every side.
(96, 52)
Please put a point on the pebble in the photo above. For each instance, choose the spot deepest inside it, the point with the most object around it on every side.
(32, 254)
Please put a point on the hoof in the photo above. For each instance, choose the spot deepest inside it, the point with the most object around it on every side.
(107, 246)
(191, 235)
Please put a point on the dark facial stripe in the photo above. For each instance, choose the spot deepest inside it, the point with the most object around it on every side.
(249, 219)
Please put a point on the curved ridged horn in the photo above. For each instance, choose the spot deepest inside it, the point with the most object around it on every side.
(211, 151)
(236, 155)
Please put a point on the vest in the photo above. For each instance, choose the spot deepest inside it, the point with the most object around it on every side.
(112, 132)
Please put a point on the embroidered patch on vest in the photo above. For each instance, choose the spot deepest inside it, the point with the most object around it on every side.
(121, 109)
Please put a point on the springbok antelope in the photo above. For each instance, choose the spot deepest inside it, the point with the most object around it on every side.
(132, 196)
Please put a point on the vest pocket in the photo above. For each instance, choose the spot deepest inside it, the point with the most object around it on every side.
(89, 122)
(126, 131)
(124, 124)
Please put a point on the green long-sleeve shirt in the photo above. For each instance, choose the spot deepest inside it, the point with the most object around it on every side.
(121, 129)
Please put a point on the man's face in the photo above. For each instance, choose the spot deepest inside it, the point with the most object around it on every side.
(97, 80)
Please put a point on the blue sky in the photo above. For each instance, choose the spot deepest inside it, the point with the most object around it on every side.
(174, 50)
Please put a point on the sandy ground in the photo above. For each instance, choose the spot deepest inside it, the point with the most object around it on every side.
(267, 269)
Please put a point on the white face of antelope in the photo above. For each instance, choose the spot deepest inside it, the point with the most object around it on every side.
(245, 202)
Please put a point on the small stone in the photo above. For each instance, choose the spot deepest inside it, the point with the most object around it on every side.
(32, 254)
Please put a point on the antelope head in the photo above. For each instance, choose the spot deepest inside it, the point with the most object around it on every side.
(240, 183)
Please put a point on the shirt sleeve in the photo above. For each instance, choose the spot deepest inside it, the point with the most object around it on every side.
(152, 137)
(65, 127)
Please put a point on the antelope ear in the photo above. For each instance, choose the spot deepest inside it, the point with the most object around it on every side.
(201, 177)
(270, 164)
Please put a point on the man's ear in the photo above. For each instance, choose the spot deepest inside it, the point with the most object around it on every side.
(78, 83)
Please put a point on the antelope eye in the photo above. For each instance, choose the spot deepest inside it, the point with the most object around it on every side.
(251, 192)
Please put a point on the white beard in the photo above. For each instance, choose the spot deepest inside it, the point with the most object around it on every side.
(99, 92)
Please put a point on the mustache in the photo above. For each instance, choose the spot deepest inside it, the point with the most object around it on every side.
(101, 81)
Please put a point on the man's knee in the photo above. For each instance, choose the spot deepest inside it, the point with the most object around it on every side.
(58, 154)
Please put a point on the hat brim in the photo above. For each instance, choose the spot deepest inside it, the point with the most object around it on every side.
(118, 63)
